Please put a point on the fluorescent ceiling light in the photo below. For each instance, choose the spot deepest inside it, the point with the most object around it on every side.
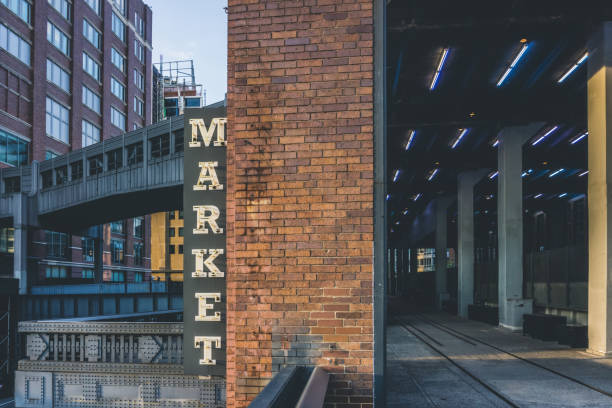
(493, 175)
(584, 173)
(562, 195)
(416, 197)
(388, 197)
(538, 195)
(434, 81)
(432, 174)
(554, 173)
(405, 212)
(410, 139)
(573, 68)
(495, 143)
(513, 64)
(396, 175)
(462, 132)
(579, 138)
(545, 135)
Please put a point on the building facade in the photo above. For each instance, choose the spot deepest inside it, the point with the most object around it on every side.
(73, 74)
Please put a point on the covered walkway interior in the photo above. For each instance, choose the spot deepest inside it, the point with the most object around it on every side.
(497, 165)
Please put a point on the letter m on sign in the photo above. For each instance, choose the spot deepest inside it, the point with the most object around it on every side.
(199, 127)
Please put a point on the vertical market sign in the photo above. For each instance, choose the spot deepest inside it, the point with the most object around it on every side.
(204, 266)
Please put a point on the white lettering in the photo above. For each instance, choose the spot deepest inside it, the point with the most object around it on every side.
(207, 134)
(200, 262)
(204, 306)
(207, 348)
(202, 219)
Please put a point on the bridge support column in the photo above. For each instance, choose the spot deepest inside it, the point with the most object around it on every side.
(512, 306)
(600, 210)
(99, 254)
(442, 205)
(465, 245)
(20, 255)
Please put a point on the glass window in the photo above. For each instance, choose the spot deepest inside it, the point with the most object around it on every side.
(57, 120)
(117, 250)
(114, 159)
(57, 37)
(13, 150)
(170, 249)
(117, 227)
(181, 231)
(180, 249)
(87, 274)
(55, 272)
(49, 155)
(139, 227)
(91, 99)
(61, 175)
(117, 59)
(180, 214)
(90, 134)
(139, 51)
(118, 276)
(58, 75)
(77, 170)
(138, 106)
(14, 44)
(87, 245)
(47, 178)
(62, 7)
(138, 253)
(118, 27)
(193, 102)
(20, 7)
(96, 165)
(160, 146)
(171, 232)
(91, 66)
(117, 118)
(94, 4)
(7, 240)
(120, 4)
(179, 142)
(12, 185)
(134, 152)
(57, 244)
(118, 89)
(140, 25)
(91, 34)
(139, 80)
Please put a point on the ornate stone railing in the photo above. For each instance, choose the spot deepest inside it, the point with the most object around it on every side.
(109, 364)
(104, 342)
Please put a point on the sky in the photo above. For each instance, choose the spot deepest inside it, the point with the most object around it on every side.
(194, 29)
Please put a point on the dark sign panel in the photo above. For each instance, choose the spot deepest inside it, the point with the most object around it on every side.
(204, 287)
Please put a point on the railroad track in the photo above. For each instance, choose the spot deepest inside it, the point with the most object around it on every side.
(435, 345)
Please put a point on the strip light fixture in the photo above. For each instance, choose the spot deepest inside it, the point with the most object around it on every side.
(493, 175)
(545, 135)
(462, 132)
(405, 212)
(416, 197)
(562, 195)
(495, 143)
(396, 175)
(388, 197)
(584, 173)
(410, 139)
(513, 64)
(579, 138)
(432, 174)
(538, 195)
(573, 68)
(554, 173)
(434, 81)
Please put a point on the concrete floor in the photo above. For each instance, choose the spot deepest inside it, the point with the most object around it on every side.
(420, 377)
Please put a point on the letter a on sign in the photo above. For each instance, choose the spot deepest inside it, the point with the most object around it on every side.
(208, 174)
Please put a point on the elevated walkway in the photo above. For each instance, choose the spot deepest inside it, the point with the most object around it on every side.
(439, 360)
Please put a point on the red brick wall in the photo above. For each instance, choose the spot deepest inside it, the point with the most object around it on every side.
(300, 194)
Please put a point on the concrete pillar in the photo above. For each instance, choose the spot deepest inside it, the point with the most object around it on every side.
(442, 205)
(465, 237)
(600, 214)
(512, 306)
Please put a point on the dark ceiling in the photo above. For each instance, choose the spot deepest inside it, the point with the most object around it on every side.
(483, 38)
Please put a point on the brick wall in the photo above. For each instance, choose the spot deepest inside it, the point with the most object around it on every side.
(300, 194)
